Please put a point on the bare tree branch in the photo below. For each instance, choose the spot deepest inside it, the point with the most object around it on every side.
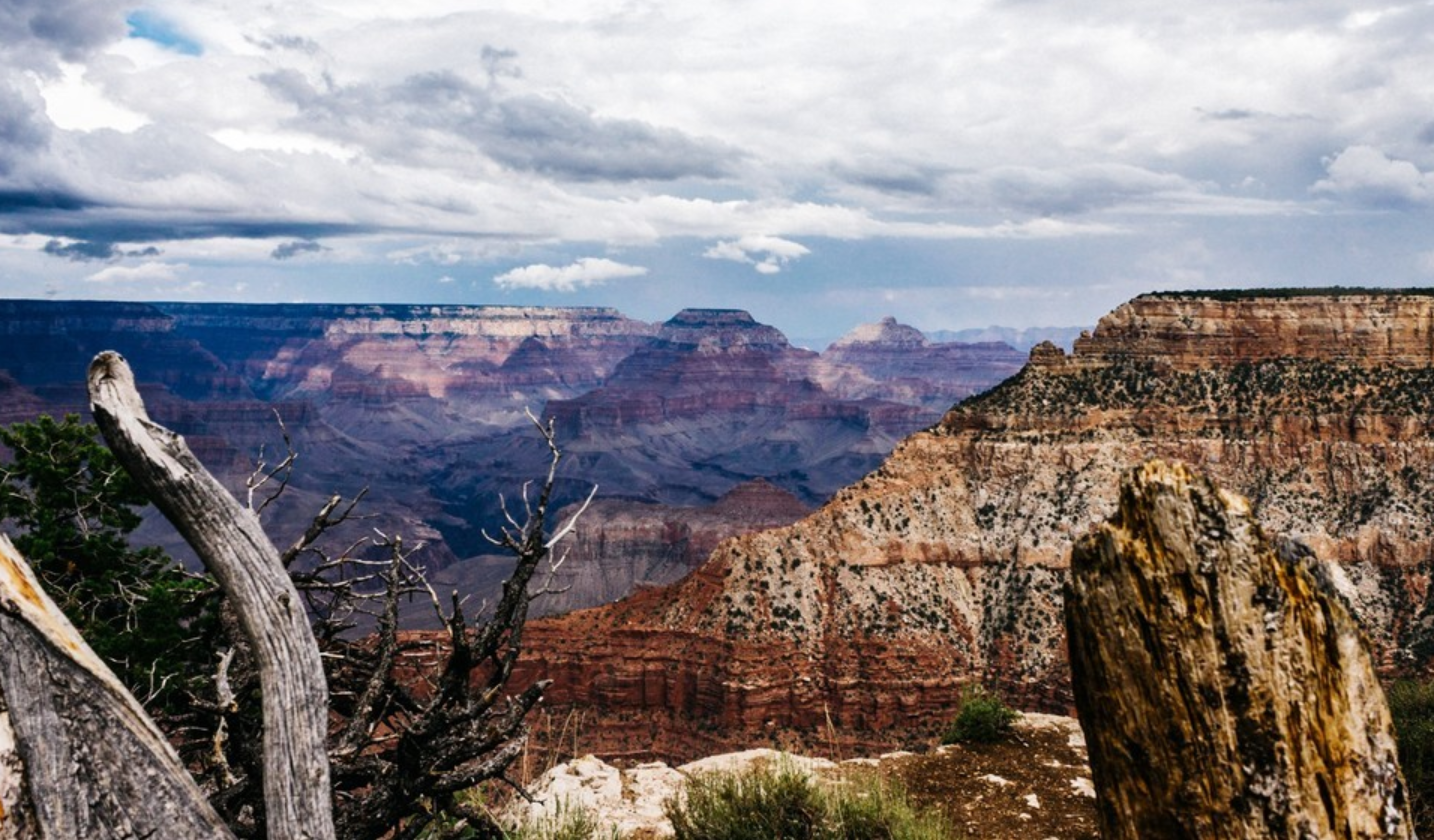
(228, 538)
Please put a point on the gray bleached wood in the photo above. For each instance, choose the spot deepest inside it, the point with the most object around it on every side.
(79, 758)
(233, 546)
(1223, 686)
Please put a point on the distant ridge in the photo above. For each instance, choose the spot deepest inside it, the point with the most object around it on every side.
(1021, 338)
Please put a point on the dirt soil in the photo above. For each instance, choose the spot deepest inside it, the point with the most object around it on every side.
(1035, 786)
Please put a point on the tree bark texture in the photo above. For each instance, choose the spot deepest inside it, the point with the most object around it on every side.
(79, 758)
(233, 546)
(1224, 689)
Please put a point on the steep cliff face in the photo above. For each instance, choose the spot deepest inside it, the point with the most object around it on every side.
(945, 565)
(1189, 331)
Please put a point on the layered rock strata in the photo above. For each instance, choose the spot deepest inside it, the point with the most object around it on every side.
(425, 406)
(945, 566)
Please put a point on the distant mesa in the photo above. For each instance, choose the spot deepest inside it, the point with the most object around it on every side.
(887, 333)
(720, 329)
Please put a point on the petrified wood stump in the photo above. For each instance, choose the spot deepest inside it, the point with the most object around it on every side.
(1222, 684)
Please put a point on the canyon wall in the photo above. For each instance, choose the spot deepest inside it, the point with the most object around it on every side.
(945, 565)
(425, 407)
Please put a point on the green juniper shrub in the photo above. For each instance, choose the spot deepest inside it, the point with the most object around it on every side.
(1411, 704)
(71, 510)
(983, 719)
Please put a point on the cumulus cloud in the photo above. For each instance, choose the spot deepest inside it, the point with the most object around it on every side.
(767, 254)
(289, 250)
(1367, 174)
(588, 271)
(152, 272)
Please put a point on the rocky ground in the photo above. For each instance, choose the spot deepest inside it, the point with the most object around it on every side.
(1034, 785)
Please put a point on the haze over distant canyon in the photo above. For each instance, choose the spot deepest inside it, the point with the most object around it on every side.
(695, 429)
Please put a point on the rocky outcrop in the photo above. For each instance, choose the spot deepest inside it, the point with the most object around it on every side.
(945, 565)
(1229, 662)
(892, 361)
(1193, 330)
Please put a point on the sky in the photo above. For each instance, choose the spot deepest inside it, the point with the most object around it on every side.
(820, 164)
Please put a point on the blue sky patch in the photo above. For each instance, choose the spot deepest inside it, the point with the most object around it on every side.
(151, 27)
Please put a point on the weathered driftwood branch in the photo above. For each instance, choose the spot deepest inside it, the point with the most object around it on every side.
(228, 538)
(79, 758)
(1222, 684)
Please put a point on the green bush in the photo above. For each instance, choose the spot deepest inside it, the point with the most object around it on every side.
(71, 510)
(566, 824)
(983, 719)
(1411, 704)
(788, 804)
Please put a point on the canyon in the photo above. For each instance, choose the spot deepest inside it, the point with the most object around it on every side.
(425, 406)
(859, 626)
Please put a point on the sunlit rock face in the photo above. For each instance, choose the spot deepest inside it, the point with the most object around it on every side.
(946, 564)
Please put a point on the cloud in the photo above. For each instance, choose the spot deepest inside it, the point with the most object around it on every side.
(38, 32)
(767, 254)
(588, 271)
(427, 117)
(289, 250)
(155, 272)
(1366, 174)
(87, 251)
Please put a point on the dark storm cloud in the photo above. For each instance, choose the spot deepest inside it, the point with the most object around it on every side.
(289, 250)
(15, 202)
(59, 214)
(430, 111)
(92, 251)
(35, 32)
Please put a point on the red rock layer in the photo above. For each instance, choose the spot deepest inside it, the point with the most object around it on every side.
(945, 566)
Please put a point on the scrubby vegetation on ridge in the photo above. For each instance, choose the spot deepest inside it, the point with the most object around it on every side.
(1287, 386)
(1285, 292)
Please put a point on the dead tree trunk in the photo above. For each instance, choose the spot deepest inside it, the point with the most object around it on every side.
(79, 758)
(228, 538)
(1222, 684)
